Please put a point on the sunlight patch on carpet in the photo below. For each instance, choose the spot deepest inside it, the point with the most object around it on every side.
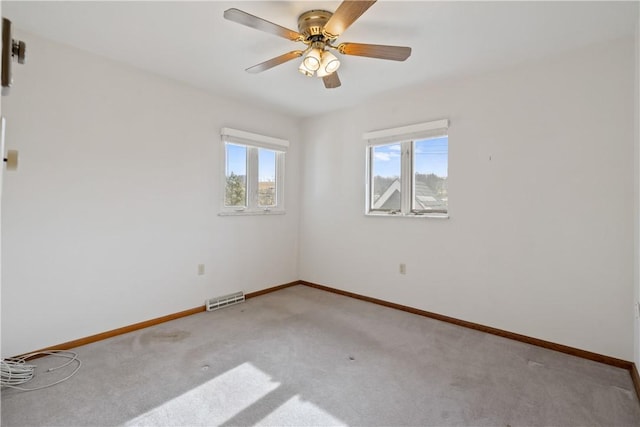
(213, 402)
(297, 412)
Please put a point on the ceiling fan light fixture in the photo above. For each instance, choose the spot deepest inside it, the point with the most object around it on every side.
(329, 62)
(312, 60)
(304, 70)
(322, 73)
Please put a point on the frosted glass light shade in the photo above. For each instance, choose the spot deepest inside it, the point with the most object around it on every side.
(329, 62)
(312, 60)
(328, 65)
(304, 70)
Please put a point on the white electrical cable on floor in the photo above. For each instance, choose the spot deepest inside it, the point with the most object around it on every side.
(15, 371)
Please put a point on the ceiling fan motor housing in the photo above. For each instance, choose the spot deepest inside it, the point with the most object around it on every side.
(311, 23)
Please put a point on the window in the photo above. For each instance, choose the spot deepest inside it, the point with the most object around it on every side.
(407, 170)
(253, 173)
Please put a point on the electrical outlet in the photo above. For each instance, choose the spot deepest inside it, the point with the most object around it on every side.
(200, 269)
(403, 268)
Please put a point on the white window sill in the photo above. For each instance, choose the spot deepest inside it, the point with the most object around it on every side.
(400, 215)
(252, 212)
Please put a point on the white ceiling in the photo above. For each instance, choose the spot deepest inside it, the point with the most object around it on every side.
(193, 43)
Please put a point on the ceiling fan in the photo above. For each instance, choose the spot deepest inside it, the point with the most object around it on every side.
(318, 30)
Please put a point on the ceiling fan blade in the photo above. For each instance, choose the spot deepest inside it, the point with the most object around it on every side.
(394, 53)
(263, 66)
(344, 16)
(331, 81)
(252, 21)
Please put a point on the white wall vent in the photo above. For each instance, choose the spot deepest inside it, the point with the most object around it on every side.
(224, 301)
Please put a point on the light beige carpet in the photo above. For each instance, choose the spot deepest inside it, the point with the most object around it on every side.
(302, 356)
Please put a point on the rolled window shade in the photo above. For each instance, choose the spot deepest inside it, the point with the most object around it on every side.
(405, 133)
(254, 139)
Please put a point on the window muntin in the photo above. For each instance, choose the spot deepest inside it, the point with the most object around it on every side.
(407, 170)
(253, 180)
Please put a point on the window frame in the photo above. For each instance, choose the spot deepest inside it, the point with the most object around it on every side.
(405, 136)
(253, 143)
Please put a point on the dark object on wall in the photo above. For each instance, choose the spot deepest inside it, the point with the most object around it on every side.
(11, 49)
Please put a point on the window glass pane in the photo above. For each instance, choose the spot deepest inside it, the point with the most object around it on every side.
(385, 177)
(266, 177)
(235, 193)
(430, 168)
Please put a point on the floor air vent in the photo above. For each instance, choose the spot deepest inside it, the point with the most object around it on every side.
(224, 301)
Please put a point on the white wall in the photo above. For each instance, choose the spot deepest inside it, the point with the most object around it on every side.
(1, 186)
(636, 216)
(115, 201)
(116, 198)
(540, 239)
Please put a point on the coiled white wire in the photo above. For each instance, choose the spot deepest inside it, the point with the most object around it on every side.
(15, 371)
